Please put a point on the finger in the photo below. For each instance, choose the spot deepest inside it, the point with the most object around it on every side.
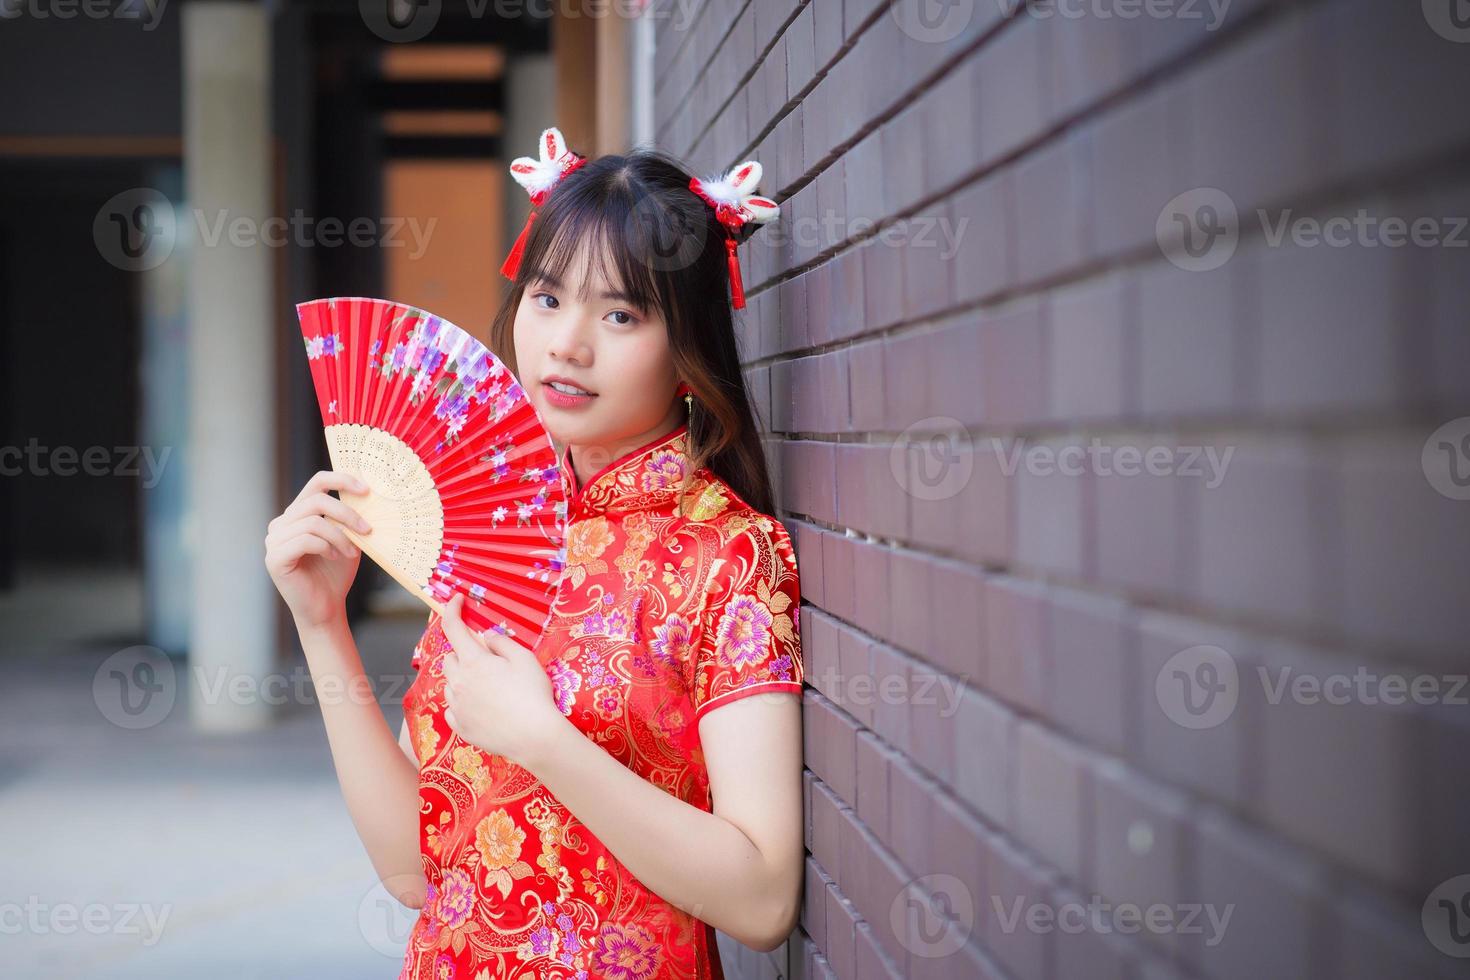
(324, 480)
(461, 637)
(287, 553)
(328, 506)
(503, 645)
(322, 528)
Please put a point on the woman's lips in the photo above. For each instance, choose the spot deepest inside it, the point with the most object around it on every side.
(563, 400)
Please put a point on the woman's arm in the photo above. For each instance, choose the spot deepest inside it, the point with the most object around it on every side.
(738, 868)
(378, 780)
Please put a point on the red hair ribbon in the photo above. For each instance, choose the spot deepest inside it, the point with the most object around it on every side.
(733, 199)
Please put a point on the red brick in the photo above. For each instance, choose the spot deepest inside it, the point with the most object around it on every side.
(1141, 526)
(1192, 331)
(1376, 937)
(985, 223)
(872, 783)
(1259, 119)
(1141, 842)
(984, 747)
(855, 663)
(1013, 68)
(883, 284)
(929, 270)
(1331, 336)
(1262, 545)
(1013, 365)
(1052, 196)
(1399, 113)
(1087, 348)
(1211, 761)
(1278, 898)
(1051, 797)
(1091, 56)
(865, 376)
(1050, 487)
(1091, 658)
(911, 816)
(841, 923)
(1403, 552)
(1136, 162)
(952, 125)
(975, 521)
(872, 586)
(814, 901)
(1014, 882)
(825, 827)
(954, 373)
(903, 159)
(910, 592)
(1015, 621)
(890, 716)
(1334, 776)
(957, 612)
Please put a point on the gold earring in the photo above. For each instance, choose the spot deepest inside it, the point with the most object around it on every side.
(689, 404)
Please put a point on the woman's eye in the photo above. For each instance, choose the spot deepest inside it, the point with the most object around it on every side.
(540, 296)
(623, 323)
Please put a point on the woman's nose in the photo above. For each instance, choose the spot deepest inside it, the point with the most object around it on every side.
(569, 343)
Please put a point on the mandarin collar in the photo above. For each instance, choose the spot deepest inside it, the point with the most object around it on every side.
(646, 478)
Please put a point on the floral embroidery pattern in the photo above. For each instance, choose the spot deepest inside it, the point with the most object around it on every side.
(675, 598)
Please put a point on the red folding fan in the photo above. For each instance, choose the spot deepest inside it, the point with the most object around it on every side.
(465, 494)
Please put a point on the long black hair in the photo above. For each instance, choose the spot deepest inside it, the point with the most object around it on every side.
(660, 243)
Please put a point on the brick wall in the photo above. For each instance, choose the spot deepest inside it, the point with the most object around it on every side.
(1072, 500)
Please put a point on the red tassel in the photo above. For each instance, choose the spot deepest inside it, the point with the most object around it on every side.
(737, 288)
(512, 263)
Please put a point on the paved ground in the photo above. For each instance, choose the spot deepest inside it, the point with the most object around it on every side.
(162, 852)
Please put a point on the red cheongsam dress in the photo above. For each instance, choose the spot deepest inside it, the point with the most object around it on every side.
(660, 616)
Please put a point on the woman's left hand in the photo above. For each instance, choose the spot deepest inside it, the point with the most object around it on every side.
(498, 697)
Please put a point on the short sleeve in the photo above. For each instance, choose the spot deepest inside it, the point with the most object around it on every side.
(751, 642)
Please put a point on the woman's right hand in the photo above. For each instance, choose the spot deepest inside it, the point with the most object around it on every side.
(310, 559)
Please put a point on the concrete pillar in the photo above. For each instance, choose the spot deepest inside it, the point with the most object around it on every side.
(233, 401)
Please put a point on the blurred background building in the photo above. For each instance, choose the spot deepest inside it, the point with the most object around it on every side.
(1114, 362)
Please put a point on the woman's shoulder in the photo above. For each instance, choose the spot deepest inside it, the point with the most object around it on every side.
(712, 501)
(747, 537)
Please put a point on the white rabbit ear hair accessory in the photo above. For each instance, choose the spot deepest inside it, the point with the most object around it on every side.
(738, 209)
(538, 177)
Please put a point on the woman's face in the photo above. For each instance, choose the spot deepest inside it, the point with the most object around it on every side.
(577, 330)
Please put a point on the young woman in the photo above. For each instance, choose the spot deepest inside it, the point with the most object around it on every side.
(598, 806)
